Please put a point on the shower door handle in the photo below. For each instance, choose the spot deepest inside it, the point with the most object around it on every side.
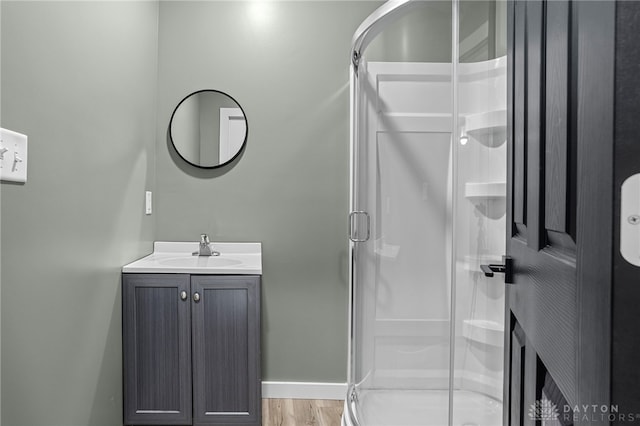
(353, 230)
(505, 268)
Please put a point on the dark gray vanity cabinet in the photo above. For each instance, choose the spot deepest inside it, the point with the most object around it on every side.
(191, 349)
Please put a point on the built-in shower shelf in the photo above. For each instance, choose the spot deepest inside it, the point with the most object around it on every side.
(488, 128)
(483, 331)
(383, 249)
(485, 190)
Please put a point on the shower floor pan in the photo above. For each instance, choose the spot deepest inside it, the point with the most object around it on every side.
(427, 408)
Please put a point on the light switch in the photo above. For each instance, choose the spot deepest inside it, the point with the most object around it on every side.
(13, 156)
(147, 202)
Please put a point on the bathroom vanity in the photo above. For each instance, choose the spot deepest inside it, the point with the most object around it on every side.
(191, 336)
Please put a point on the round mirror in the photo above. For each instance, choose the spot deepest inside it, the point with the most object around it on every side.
(208, 128)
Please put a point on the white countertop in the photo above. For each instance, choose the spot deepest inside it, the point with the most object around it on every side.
(177, 258)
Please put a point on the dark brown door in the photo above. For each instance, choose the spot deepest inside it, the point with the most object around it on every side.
(560, 168)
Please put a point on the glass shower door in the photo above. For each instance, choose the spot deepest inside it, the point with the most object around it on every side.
(402, 302)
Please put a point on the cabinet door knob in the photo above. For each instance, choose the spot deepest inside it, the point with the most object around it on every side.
(196, 297)
(183, 295)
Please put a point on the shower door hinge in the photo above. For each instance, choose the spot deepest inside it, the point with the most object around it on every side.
(355, 60)
(505, 268)
(356, 223)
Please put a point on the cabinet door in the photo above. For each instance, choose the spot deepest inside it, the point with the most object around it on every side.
(226, 350)
(156, 326)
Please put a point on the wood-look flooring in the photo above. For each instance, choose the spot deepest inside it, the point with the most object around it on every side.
(301, 412)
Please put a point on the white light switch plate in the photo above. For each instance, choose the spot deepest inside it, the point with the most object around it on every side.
(13, 164)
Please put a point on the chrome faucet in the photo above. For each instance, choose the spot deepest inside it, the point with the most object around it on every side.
(205, 247)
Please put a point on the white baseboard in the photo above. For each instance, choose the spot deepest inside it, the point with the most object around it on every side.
(304, 390)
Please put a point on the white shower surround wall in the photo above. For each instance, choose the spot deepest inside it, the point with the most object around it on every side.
(407, 150)
(480, 220)
(403, 300)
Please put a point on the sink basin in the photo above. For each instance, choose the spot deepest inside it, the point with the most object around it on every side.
(177, 258)
(199, 261)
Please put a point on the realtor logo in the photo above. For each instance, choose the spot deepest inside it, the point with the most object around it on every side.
(543, 409)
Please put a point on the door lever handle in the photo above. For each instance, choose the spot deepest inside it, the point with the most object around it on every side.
(490, 269)
(505, 268)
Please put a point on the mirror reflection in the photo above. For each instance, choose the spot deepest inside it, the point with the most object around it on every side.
(208, 128)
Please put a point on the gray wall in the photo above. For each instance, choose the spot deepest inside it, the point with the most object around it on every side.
(475, 44)
(421, 35)
(86, 96)
(79, 79)
(288, 68)
(424, 34)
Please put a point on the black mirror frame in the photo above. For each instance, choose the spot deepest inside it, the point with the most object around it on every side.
(244, 142)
